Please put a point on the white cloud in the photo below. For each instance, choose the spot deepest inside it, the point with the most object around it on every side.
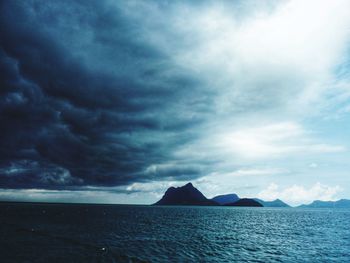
(247, 172)
(313, 165)
(258, 142)
(264, 171)
(283, 57)
(297, 194)
(266, 141)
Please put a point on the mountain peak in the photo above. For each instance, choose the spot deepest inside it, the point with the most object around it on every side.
(184, 195)
(188, 185)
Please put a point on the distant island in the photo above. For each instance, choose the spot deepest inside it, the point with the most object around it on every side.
(189, 195)
(274, 203)
(245, 202)
(225, 199)
(342, 203)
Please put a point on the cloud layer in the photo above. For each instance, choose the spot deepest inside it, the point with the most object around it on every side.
(98, 94)
(83, 98)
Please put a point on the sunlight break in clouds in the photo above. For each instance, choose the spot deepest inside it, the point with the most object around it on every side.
(267, 142)
(297, 194)
(270, 141)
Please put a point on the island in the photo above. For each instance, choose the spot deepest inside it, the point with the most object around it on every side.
(245, 202)
(225, 199)
(184, 195)
(189, 195)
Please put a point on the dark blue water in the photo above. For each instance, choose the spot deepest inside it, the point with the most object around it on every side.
(103, 233)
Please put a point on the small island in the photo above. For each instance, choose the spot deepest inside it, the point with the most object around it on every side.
(245, 202)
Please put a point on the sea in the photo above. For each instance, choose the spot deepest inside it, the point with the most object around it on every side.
(48, 233)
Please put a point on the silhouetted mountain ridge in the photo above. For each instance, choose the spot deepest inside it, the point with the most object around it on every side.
(184, 195)
(189, 195)
(225, 199)
(245, 202)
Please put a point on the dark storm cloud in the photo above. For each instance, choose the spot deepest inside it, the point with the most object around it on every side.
(86, 99)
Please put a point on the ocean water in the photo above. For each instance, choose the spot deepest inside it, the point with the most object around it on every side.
(114, 233)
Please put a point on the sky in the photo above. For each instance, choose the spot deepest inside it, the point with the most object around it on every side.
(115, 101)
